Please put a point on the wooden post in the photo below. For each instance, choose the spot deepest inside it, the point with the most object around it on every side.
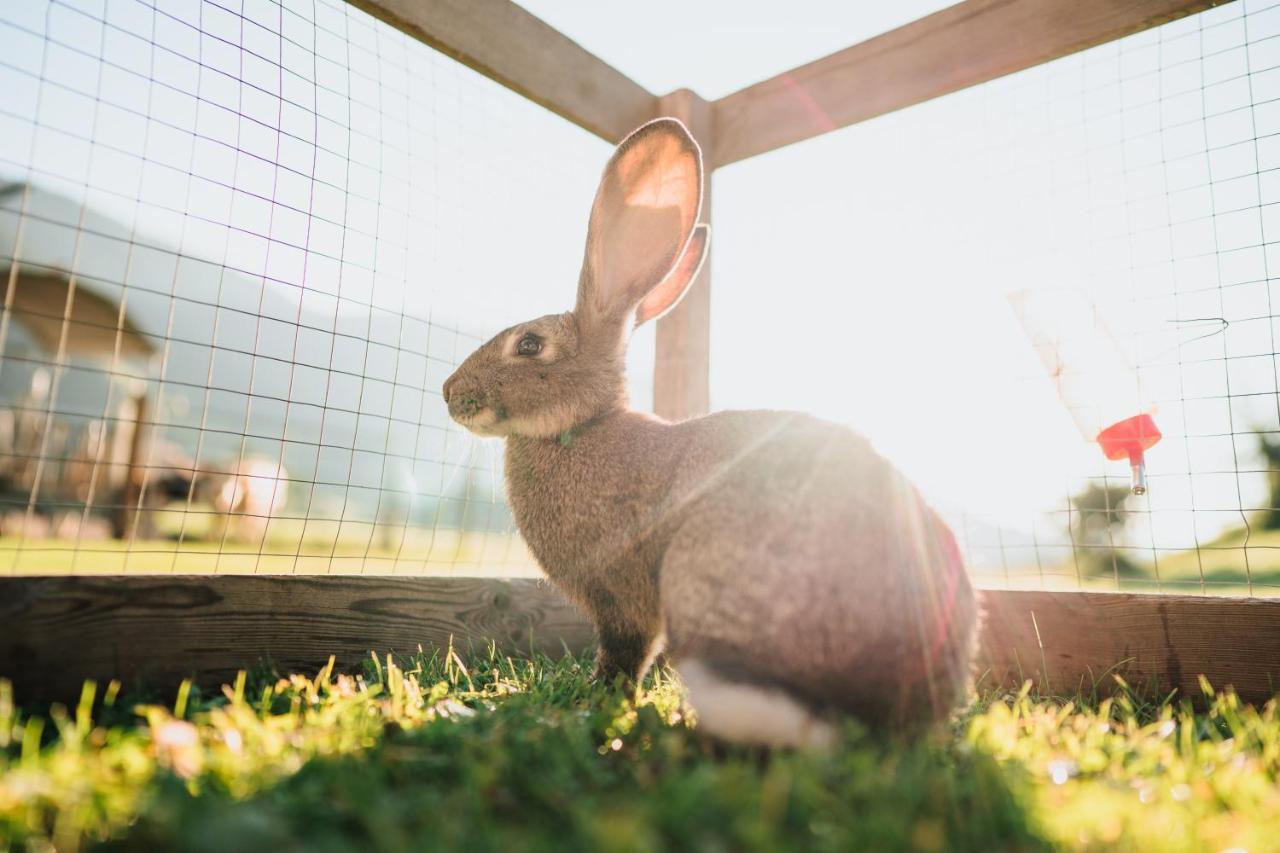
(131, 493)
(681, 383)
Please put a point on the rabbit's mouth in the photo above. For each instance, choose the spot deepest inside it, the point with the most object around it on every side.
(484, 421)
(471, 407)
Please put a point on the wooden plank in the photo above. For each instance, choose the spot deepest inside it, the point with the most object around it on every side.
(961, 46)
(1068, 641)
(505, 43)
(57, 631)
(682, 358)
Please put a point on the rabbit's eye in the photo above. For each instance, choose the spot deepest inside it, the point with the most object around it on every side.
(529, 345)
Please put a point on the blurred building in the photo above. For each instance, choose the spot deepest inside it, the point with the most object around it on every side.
(133, 375)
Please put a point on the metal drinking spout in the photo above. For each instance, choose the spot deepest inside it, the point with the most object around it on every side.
(1138, 469)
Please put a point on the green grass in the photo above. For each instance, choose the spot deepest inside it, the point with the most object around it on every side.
(1226, 561)
(355, 549)
(1236, 562)
(1222, 566)
(512, 754)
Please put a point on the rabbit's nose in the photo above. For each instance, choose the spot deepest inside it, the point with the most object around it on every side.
(462, 397)
(462, 401)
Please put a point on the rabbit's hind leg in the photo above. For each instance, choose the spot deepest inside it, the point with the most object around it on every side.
(742, 712)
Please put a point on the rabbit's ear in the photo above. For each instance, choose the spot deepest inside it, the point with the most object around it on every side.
(644, 213)
(668, 294)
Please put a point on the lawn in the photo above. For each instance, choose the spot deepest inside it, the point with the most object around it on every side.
(328, 549)
(1237, 562)
(1222, 566)
(495, 753)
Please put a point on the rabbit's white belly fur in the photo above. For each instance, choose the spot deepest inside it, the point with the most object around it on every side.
(751, 714)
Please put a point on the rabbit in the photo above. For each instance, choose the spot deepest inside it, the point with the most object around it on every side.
(790, 572)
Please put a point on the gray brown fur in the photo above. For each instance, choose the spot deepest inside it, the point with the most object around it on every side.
(775, 548)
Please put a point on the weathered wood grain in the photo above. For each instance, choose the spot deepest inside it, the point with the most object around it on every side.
(505, 43)
(1067, 641)
(963, 45)
(682, 353)
(57, 631)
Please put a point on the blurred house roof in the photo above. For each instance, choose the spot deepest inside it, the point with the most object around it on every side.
(47, 255)
(46, 259)
(92, 320)
(61, 236)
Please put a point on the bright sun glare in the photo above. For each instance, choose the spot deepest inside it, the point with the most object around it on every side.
(865, 275)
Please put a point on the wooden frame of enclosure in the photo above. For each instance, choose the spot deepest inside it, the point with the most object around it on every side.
(54, 631)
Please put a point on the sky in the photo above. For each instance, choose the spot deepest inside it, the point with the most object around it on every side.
(864, 276)
(715, 47)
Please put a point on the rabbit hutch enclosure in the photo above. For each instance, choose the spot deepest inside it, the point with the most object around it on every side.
(247, 240)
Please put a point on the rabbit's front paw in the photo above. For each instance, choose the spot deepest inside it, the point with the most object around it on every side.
(607, 672)
(604, 679)
(622, 655)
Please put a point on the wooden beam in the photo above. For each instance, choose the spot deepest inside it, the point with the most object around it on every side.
(505, 43)
(958, 47)
(57, 631)
(1069, 641)
(681, 372)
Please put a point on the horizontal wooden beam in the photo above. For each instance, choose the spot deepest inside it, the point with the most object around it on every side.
(958, 47)
(505, 43)
(1071, 641)
(57, 631)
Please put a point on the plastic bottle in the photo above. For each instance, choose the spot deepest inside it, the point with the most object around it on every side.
(1093, 377)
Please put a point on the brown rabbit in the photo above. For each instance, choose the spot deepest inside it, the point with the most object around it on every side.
(790, 571)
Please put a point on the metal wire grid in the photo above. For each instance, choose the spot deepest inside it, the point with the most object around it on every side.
(291, 209)
(1181, 236)
(1145, 175)
(265, 222)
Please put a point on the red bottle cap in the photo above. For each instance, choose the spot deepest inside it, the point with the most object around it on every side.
(1127, 439)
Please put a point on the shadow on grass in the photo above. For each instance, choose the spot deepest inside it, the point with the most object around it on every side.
(522, 773)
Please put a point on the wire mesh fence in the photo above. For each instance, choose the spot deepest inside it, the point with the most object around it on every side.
(246, 240)
(243, 244)
(998, 275)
